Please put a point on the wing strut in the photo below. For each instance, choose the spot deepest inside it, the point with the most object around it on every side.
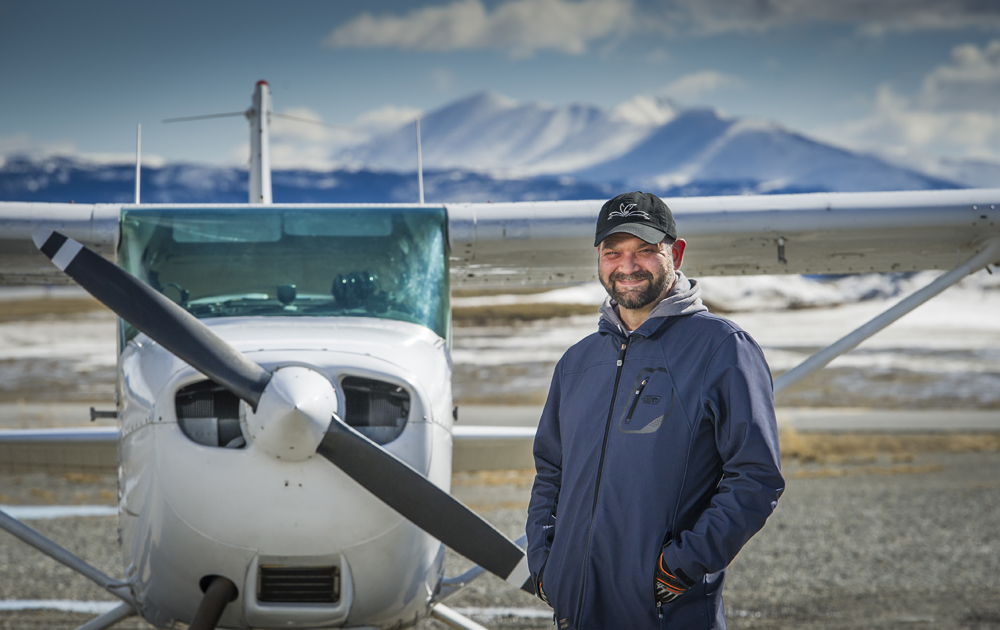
(990, 253)
(453, 619)
(109, 618)
(60, 554)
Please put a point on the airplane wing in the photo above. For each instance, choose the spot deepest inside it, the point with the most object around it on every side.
(551, 242)
(540, 243)
(94, 225)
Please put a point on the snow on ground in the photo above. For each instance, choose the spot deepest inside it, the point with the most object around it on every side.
(88, 337)
(947, 350)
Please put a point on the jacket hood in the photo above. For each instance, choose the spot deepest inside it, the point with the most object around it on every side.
(684, 298)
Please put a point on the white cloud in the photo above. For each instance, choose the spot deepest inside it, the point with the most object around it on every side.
(956, 113)
(521, 27)
(299, 144)
(283, 129)
(524, 27)
(901, 126)
(693, 86)
(386, 118)
(296, 144)
(872, 18)
(970, 82)
(23, 145)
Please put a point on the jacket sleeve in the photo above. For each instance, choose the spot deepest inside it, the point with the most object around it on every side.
(548, 480)
(738, 397)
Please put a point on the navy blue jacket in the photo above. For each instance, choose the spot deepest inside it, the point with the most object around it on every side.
(663, 436)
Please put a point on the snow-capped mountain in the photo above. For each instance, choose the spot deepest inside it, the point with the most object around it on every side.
(699, 145)
(490, 148)
(488, 132)
(966, 172)
(61, 179)
(645, 142)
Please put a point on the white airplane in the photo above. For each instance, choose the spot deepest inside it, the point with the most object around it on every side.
(284, 376)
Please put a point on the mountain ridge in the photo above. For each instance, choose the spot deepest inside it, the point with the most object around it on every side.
(644, 142)
(487, 147)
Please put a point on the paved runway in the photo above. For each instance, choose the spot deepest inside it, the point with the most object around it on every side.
(471, 452)
(40, 415)
(905, 537)
(873, 544)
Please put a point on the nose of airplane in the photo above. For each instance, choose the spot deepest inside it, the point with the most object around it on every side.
(293, 414)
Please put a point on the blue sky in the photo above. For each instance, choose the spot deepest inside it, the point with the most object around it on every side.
(906, 77)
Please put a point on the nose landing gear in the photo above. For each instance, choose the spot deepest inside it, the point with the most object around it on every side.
(218, 593)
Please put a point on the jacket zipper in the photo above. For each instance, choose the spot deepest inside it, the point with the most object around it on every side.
(635, 401)
(600, 471)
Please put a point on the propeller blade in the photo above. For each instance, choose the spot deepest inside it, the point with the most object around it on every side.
(390, 479)
(151, 312)
(428, 507)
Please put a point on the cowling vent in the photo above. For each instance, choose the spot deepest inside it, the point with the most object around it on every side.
(298, 585)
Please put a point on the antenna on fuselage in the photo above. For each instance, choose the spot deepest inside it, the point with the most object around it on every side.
(420, 166)
(138, 160)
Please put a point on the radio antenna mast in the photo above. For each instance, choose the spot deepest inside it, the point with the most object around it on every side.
(138, 160)
(420, 166)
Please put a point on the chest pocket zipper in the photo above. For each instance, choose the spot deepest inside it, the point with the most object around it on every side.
(623, 423)
(635, 401)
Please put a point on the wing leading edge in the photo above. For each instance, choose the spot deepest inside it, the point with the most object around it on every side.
(94, 225)
(824, 233)
(551, 242)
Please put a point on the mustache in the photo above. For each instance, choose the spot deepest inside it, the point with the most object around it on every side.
(630, 277)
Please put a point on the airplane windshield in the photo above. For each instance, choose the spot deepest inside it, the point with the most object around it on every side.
(389, 263)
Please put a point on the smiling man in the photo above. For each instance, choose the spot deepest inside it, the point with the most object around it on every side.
(657, 453)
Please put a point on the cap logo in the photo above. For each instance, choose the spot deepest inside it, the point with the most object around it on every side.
(628, 210)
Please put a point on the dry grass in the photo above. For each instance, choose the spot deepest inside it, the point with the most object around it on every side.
(837, 454)
(817, 473)
(519, 478)
(14, 310)
(492, 291)
(44, 494)
(865, 448)
(536, 397)
(508, 313)
(82, 477)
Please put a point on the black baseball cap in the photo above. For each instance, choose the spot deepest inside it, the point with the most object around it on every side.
(636, 213)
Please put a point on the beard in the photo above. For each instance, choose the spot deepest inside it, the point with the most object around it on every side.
(638, 298)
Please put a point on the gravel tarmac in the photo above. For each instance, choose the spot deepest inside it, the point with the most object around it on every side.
(865, 545)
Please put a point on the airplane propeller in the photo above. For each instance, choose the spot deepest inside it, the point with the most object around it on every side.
(392, 480)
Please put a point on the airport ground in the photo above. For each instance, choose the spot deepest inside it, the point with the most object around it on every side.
(889, 522)
(899, 534)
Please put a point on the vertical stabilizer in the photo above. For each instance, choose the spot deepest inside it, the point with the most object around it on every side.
(260, 144)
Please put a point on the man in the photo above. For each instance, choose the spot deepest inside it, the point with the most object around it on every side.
(657, 452)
